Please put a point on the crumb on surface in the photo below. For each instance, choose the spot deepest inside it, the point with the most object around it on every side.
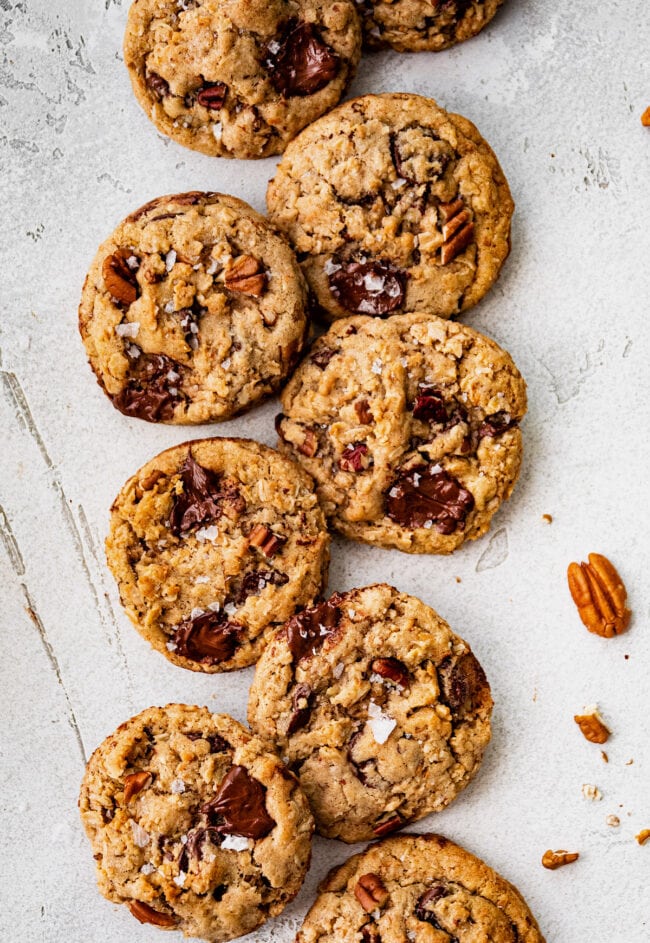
(604, 756)
(591, 792)
(643, 836)
(547, 518)
(645, 118)
(613, 821)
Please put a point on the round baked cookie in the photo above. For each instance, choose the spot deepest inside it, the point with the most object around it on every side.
(420, 25)
(194, 824)
(212, 544)
(194, 309)
(418, 887)
(393, 205)
(410, 427)
(381, 711)
(240, 78)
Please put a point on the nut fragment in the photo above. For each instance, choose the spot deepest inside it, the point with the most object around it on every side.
(245, 274)
(371, 892)
(599, 593)
(135, 783)
(557, 859)
(263, 538)
(613, 821)
(119, 278)
(643, 836)
(146, 914)
(393, 670)
(592, 727)
(457, 229)
(645, 118)
(591, 792)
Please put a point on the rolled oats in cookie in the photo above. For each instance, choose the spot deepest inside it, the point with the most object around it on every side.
(419, 25)
(393, 205)
(240, 78)
(410, 426)
(194, 824)
(213, 543)
(418, 887)
(194, 309)
(381, 711)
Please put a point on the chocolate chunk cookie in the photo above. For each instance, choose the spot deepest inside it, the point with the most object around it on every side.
(393, 205)
(193, 824)
(418, 25)
(240, 78)
(418, 887)
(213, 543)
(410, 427)
(380, 710)
(193, 310)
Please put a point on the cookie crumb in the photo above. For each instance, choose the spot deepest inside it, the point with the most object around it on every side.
(592, 793)
(604, 756)
(645, 118)
(557, 859)
(643, 836)
(613, 821)
(630, 763)
(458, 579)
(547, 518)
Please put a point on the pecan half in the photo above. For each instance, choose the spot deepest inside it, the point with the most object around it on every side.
(557, 859)
(263, 538)
(371, 892)
(119, 277)
(592, 727)
(246, 275)
(135, 783)
(599, 593)
(457, 229)
(212, 95)
(146, 914)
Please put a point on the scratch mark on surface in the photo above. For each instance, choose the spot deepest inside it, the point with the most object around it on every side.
(11, 544)
(114, 182)
(602, 169)
(628, 348)
(495, 553)
(566, 387)
(30, 608)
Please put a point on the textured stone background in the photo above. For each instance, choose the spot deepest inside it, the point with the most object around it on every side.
(558, 90)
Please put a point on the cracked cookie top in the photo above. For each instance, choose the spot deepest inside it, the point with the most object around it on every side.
(410, 426)
(418, 887)
(213, 543)
(393, 205)
(419, 25)
(239, 78)
(194, 310)
(378, 707)
(194, 825)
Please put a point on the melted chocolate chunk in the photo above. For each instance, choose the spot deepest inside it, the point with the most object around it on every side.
(212, 95)
(463, 684)
(218, 744)
(495, 424)
(197, 838)
(322, 357)
(301, 63)
(370, 933)
(374, 287)
(200, 502)
(254, 584)
(429, 404)
(424, 906)
(302, 701)
(157, 84)
(239, 806)
(189, 318)
(428, 496)
(152, 392)
(209, 638)
(359, 768)
(307, 630)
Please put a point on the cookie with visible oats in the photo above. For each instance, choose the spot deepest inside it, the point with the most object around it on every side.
(213, 543)
(194, 310)
(381, 711)
(194, 824)
(422, 25)
(240, 78)
(393, 205)
(418, 887)
(410, 427)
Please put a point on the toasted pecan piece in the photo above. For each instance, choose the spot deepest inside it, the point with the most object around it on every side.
(557, 859)
(599, 593)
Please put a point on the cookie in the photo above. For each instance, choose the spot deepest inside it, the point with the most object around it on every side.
(393, 205)
(418, 887)
(194, 309)
(410, 427)
(417, 25)
(212, 544)
(194, 824)
(240, 78)
(378, 707)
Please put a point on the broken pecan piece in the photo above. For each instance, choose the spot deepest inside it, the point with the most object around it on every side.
(263, 538)
(371, 892)
(557, 859)
(457, 229)
(592, 727)
(119, 277)
(146, 914)
(246, 275)
(645, 118)
(393, 670)
(212, 95)
(355, 457)
(599, 593)
(135, 783)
